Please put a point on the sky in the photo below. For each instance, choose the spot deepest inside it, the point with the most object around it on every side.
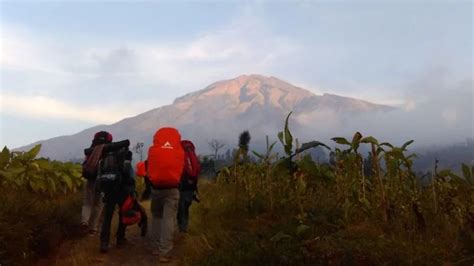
(66, 66)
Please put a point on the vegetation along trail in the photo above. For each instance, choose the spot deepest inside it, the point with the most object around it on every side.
(355, 209)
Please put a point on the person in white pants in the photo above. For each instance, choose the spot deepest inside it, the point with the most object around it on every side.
(92, 207)
(92, 204)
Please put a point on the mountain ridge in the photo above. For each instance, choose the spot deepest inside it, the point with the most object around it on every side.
(220, 111)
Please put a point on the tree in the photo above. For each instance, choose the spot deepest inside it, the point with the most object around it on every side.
(138, 148)
(215, 146)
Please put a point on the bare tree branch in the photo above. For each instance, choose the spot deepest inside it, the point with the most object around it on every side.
(215, 146)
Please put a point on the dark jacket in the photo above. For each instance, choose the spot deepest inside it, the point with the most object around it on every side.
(187, 183)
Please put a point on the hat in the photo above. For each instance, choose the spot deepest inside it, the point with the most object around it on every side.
(102, 137)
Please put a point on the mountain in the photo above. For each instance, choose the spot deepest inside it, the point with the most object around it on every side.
(221, 111)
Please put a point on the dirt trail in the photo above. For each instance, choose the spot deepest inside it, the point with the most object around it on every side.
(137, 251)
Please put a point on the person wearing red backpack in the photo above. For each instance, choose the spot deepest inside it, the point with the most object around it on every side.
(188, 184)
(165, 165)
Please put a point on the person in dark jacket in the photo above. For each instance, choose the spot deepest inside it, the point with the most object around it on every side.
(115, 192)
(187, 193)
(188, 185)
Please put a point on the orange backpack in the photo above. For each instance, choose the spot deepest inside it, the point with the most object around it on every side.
(165, 159)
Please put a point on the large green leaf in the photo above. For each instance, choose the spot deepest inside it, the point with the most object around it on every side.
(31, 154)
(370, 139)
(309, 145)
(271, 147)
(387, 144)
(37, 184)
(341, 140)
(397, 153)
(16, 169)
(380, 150)
(280, 137)
(356, 141)
(52, 186)
(67, 180)
(8, 176)
(44, 164)
(260, 156)
(404, 146)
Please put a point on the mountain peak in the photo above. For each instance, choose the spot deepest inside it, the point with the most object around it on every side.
(250, 87)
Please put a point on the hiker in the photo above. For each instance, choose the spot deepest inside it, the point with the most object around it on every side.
(92, 203)
(188, 185)
(116, 181)
(164, 168)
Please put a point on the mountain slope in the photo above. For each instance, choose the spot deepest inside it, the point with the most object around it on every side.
(221, 111)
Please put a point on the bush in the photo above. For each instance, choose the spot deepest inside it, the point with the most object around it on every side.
(32, 226)
(39, 205)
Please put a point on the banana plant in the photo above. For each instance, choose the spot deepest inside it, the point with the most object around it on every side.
(268, 156)
(286, 139)
(21, 170)
(352, 163)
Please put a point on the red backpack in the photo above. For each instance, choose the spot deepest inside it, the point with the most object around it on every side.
(192, 167)
(130, 212)
(165, 159)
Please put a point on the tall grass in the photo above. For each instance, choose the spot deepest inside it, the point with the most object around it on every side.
(299, 212)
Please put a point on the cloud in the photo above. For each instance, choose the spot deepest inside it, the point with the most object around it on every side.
(46, 108)
(151, 73)
(101, 79)
(438, 110)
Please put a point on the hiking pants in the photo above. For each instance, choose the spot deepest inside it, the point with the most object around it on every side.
(112, 200)
(164, 206)
(185, 200)
(92, 205)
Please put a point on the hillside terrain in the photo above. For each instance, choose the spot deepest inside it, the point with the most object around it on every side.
(220, 111)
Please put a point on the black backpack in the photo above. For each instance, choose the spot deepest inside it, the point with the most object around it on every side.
(110, 171)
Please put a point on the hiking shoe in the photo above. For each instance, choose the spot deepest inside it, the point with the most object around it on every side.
(165, 259)
(121, 242)
(104, 247)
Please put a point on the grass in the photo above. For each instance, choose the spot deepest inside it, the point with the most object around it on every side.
(224, 232)
(225, 229)
(32, 226)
